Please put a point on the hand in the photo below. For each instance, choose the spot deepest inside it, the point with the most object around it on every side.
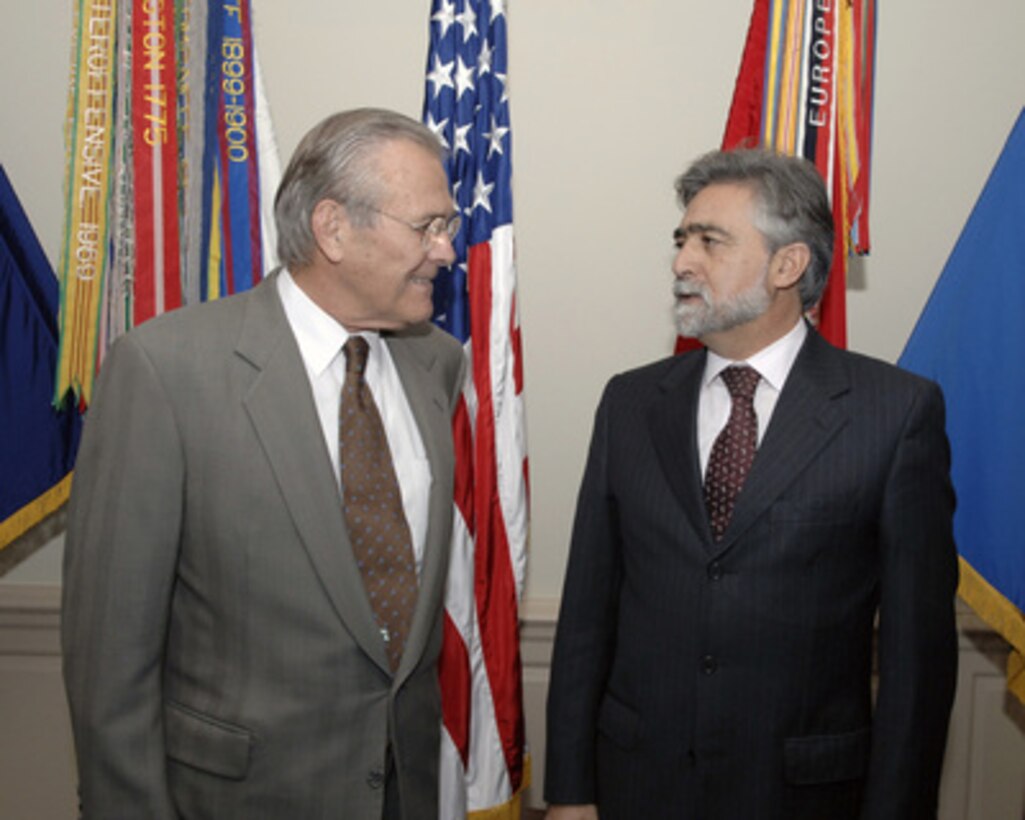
(588, 812)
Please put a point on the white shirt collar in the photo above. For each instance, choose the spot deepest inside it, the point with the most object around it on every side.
(773, 363)
(319, 335)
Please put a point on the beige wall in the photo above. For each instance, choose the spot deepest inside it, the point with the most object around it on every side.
(609, 101)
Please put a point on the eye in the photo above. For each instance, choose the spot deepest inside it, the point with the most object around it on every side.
(423, 225)
(708, 240)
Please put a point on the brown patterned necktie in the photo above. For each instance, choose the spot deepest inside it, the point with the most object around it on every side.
(372, 501)
(733, 450)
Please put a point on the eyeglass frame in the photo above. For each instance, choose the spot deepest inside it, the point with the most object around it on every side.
(430, 230)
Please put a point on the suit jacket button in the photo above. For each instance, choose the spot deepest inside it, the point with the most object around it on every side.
(715, 571)
(709, 664)
(375, 779)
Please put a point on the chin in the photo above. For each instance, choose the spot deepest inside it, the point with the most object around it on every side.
(691, 326)
(410, 320)
(424, 314)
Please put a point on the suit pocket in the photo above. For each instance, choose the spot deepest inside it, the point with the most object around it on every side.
(618, 722)
(206, 743)
(826, 758)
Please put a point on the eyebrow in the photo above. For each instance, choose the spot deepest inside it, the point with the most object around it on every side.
(446, 214)
(700, 227)
(427, 219)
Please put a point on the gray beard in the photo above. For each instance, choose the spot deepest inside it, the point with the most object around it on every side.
(698, 319)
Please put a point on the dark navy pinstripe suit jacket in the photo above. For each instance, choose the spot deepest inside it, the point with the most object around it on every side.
(733, 681)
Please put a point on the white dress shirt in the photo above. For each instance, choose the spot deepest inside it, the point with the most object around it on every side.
(320, 340)
(773, 364)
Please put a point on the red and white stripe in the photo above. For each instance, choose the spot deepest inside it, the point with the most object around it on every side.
(157, 278)
(483, 739)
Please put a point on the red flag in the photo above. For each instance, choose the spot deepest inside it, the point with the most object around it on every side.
(805, 88)
(157, 276)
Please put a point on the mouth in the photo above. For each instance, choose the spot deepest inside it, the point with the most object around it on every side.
(687, 292)
(689, 297)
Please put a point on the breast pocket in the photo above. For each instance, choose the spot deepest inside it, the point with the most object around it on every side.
(802, 527)
(820, 508)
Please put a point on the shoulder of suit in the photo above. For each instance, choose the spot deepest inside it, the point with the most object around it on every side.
(655, 372)
(449, 344)
(192, 317)
(191, 331)
(437, 350)
(870, 367)
(450, 353)
(880, 378)
(429, 337)
(640, 386)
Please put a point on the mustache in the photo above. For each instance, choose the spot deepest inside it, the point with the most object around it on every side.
(681, 287)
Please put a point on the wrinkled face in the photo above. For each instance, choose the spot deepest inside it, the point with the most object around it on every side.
(721, 264)
(385, 271)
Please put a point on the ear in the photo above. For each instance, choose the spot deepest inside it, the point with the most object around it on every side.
(329, 223)
(789, 264)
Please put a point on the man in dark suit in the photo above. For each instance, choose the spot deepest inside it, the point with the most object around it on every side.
(225, 652)
(714, 651)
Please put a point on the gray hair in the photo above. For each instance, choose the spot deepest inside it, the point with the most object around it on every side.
(792, 204)
(335, 160)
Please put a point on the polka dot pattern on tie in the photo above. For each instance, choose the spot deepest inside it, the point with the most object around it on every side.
(734, 449)
(372, 502)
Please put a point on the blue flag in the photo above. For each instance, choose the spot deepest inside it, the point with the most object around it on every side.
(37, 441)
(971, 338)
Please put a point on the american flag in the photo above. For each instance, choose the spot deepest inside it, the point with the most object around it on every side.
(466, 105)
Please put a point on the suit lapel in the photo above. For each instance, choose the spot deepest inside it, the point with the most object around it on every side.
(416, 362)
(280, 406)
(673, 421)
(807, 416)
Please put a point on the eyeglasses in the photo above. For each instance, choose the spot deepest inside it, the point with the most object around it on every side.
(430, 230)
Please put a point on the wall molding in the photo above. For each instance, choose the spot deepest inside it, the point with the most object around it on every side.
(984, 768)
(30, 619)
(30, 624)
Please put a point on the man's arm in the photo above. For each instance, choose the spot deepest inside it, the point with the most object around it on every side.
(585, 634)
(917, 632)
(119, 567)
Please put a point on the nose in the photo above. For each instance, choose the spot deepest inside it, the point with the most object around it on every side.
(441, 250)
(681, 262)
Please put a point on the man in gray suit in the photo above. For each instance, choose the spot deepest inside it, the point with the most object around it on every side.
(748, 510)
(222, 655)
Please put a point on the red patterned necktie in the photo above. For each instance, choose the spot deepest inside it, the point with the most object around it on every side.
(373, 506)
(733, 450)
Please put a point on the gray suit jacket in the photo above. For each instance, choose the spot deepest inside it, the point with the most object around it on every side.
(713, 681)
(220, 655)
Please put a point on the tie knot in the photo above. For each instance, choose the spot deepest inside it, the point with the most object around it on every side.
(356, 351)
(741, 381)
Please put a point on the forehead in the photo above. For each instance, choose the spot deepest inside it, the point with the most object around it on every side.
(727, 205)
(407, 169)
